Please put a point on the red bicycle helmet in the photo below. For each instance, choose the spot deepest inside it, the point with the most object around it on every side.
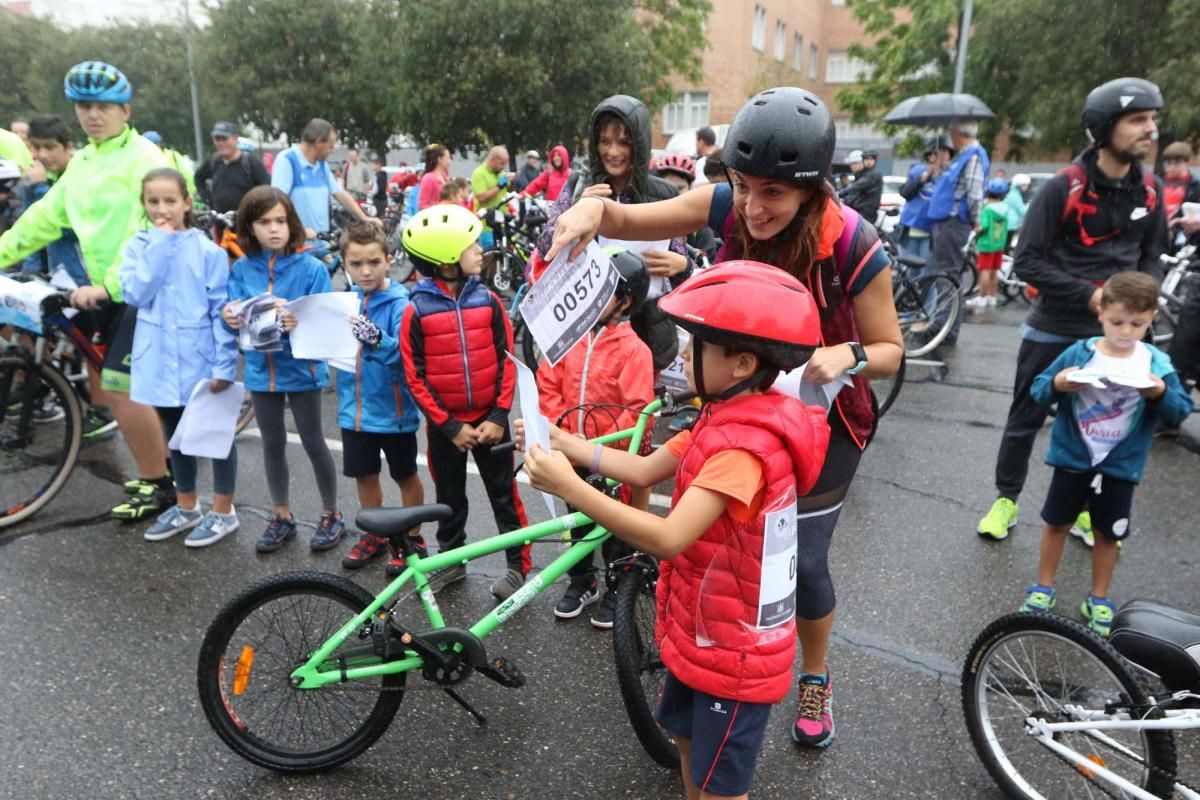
(747, 305)
(676, 163)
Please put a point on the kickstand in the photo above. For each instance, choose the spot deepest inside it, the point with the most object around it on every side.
(456, 697)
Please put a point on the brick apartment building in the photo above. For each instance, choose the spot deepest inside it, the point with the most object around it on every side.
(756, 44)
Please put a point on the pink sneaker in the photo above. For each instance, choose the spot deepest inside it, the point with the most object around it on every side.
(814, 718)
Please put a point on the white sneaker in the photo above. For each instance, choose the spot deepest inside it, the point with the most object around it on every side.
(976, 302)
(213, 528)
(991, 300)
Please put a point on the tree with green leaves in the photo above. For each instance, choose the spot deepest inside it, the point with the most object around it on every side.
(1032, 62)
(527, 73)
(285, 62)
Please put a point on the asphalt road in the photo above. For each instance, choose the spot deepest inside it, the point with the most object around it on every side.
(101, 630)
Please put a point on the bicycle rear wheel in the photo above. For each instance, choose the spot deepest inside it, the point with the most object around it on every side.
(640, 671)
(402, 267)
(34, 467)
(252, 647)
(1037, 666)
(927, 308)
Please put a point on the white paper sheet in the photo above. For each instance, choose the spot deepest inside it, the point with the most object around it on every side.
(260, 329)
(1098, 378)
(659, 285)
(209, 419)
(323, 329)
(537, 427)
(811, 394)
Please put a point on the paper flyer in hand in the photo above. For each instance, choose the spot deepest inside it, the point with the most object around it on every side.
(811, 394)
(537, 427)
(323, 331)
(260, 330)
(209, 421)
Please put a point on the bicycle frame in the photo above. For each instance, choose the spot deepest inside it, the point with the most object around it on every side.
(1093, 723)
(319, 671)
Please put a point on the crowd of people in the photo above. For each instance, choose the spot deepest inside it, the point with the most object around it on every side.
(801, 281)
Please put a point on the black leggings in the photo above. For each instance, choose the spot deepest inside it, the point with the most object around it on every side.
(817, 516)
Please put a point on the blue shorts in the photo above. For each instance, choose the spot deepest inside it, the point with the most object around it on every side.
(1108, 500)
(726, 735)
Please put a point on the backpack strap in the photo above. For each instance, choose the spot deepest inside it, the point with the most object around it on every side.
(845, 242)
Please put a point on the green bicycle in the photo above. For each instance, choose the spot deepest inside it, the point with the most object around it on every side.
(304, 671)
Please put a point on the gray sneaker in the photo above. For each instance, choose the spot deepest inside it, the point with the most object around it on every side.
(172, 521)
(212, 529)
(506, 584)
(440, 580)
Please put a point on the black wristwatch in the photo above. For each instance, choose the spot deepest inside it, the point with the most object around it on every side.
(860, 355)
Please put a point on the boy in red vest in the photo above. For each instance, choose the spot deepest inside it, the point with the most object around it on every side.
(726, 592)
(453, 338)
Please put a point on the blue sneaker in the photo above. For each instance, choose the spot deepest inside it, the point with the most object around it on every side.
(1098, 612)
(278, 532)
(329, 531)
(172, 521)
(1039, 598)
(212, 529)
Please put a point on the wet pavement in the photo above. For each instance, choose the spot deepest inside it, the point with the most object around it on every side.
(101, 630)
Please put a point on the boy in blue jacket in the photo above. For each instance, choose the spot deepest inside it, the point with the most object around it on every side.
(375, 410)
(1111, 392)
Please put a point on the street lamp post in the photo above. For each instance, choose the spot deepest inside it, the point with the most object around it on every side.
(191, 63)
(964, 33)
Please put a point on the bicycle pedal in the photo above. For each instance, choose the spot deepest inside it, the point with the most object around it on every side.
(503, 672)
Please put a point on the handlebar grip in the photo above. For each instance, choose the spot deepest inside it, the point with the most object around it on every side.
(504, 447)
(55, 304)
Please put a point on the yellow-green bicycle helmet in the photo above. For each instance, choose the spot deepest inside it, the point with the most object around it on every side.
(439, 235)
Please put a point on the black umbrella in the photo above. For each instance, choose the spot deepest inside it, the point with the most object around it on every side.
(934, 110)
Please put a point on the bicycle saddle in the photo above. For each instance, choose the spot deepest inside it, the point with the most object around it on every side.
(1162, 639)
(913, 262)
(392, 522)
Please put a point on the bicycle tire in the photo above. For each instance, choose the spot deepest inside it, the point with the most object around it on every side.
(1080, 651)
(1162, 329)
(245, 414)
(25, 502)
(893, 385)
(237, 726)
(969, 277)
(636, 654)
(911, 299)
(531, 354)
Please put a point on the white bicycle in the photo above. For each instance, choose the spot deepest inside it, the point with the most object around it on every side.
(1055, 711)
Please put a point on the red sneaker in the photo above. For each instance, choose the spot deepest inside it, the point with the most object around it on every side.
(365, 549)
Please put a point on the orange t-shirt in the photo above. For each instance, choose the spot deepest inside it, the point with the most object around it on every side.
(736, 474)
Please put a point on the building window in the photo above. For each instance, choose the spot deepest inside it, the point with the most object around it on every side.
(840, 67)
(758, 37)
(839, 2)
(780, 40)
(812, 62)
(797, 52)
(690, 110)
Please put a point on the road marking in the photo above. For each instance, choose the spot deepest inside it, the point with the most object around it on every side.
(656, 500)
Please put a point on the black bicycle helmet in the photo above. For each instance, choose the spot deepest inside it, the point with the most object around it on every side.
(783, 133)
(1110, 101)
(634, 278)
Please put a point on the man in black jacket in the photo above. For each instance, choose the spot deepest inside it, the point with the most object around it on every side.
(865, 194)
(223, 180)
(1102, 215)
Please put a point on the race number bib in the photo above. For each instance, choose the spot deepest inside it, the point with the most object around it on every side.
(777, 589)
(568, 300)
(673, 377)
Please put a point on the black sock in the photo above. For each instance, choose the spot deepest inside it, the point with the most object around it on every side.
(165, 483)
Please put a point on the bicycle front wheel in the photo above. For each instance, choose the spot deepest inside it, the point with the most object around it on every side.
(1046, 667)
(250, 651)
(640, 671)
(927, 308)
(35, 459)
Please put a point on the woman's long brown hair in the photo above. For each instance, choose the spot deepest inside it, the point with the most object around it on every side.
(796, 254)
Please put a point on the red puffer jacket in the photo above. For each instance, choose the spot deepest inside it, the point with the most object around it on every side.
(708, 596)
(454, 355)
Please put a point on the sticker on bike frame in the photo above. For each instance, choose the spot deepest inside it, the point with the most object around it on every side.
(519, 598)
(568, 300)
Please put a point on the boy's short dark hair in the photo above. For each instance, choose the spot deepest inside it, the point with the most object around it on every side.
(363, 233)
(1137, 291)
(772, 373)
(50, 126)
(259, 201)
(706, 135)
(453, 187)
(317, 130)
(713, 166)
